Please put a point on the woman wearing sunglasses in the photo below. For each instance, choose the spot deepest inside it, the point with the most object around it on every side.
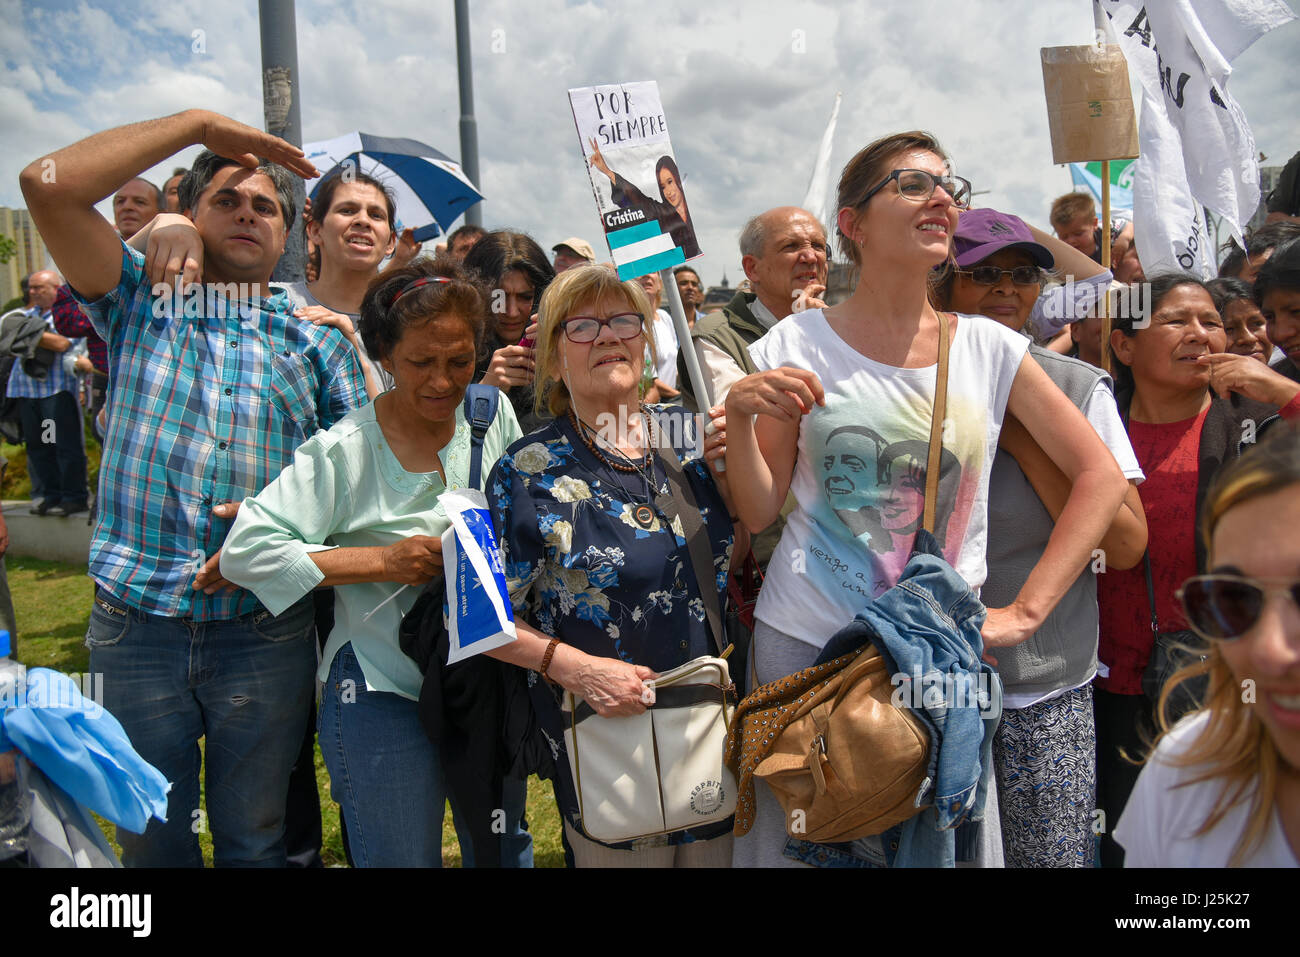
(1045, 745)
(587, 547)
(870, 361)
(1223, 786)
(1190, 408)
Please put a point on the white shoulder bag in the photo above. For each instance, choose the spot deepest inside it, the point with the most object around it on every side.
(661, 770)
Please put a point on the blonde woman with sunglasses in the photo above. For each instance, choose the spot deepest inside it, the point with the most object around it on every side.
(1223, 785)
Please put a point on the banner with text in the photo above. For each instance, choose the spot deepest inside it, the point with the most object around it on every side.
(1196, 146)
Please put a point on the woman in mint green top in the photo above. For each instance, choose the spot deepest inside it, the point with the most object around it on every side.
(359, 509)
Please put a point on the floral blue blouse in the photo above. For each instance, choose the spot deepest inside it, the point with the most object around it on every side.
(581, 569)
(603, 583)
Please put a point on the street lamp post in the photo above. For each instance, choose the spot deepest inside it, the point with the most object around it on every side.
(281, 94)
(468, 126)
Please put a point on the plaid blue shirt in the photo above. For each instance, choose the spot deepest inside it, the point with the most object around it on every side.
(205, 408)
(23, 386)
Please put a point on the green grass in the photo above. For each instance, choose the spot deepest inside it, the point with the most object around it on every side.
(52, 608)
(17, 484)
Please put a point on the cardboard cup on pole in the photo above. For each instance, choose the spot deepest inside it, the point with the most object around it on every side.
(1090, 117)
(1089, 106)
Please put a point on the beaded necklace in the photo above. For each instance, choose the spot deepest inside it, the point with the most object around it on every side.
(642, 512)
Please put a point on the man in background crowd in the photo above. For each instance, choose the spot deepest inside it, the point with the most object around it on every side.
(51, 416)
(783, 252)
(691, 290)
(172, 190)
(462, 240)
(134, 204)
(572, 252)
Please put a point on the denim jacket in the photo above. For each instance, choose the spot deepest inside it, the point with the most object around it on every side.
(927, 627)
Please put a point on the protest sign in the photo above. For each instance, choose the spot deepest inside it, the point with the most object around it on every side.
(1197, 148)
(634, 176)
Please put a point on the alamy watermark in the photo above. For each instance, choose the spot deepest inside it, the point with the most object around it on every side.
(42, 688)
(201, 300)
(675, 430)
(936, 689)
(1074, 301)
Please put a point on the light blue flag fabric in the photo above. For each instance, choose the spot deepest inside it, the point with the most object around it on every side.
(1120, 198)
(83, 749)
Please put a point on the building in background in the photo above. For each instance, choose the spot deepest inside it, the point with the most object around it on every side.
(841, 279)
(717, 296)
(1268, 177)
(29, 255)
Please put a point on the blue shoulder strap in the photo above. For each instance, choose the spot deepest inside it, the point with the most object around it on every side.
(481, 403)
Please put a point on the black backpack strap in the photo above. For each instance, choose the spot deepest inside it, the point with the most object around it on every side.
(481, 402)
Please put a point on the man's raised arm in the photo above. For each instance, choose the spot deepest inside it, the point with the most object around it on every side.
(61, 189)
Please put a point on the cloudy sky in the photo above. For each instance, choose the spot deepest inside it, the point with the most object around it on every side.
(748, 88)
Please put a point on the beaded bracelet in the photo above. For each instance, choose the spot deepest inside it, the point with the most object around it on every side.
(546, 659)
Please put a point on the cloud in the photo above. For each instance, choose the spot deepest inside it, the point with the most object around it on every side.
(747, 88)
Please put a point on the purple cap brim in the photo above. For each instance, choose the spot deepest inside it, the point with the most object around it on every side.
(1041, 255)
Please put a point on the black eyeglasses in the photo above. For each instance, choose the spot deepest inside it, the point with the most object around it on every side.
(1225, 607)
(918, 185)
(992, 275)
(626, 325)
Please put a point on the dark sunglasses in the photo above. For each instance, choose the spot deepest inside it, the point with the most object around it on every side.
(918, 185)
(626, 325)
(992, 275)
(1225, 607)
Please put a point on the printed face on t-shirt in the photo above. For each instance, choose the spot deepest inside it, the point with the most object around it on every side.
(876, 487)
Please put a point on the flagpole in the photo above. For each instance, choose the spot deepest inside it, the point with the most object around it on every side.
(1105, 264)
(1099, 37)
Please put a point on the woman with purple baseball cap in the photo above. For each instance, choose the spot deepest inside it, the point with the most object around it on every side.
(1044, 751)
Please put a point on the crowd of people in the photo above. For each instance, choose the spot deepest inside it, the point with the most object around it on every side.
(269, 498)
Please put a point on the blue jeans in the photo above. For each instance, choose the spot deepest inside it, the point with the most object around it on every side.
(243, 685)
(386, 776)
(517, 842)
(384, 771)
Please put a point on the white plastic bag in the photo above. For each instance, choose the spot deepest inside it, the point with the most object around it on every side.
(477, 604)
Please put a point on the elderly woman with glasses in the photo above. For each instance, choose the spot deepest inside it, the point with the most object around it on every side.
(606, 577)
(847, 393)
(1222, 788)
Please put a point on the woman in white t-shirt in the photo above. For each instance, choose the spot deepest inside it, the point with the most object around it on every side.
(1223, 786)
(840, 416)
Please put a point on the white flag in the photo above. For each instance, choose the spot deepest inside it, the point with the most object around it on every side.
(815, 200)
(1196, 146)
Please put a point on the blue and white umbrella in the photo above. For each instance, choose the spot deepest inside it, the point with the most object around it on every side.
(431, 189)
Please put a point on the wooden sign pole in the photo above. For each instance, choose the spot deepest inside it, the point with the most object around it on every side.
(1105, 264)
